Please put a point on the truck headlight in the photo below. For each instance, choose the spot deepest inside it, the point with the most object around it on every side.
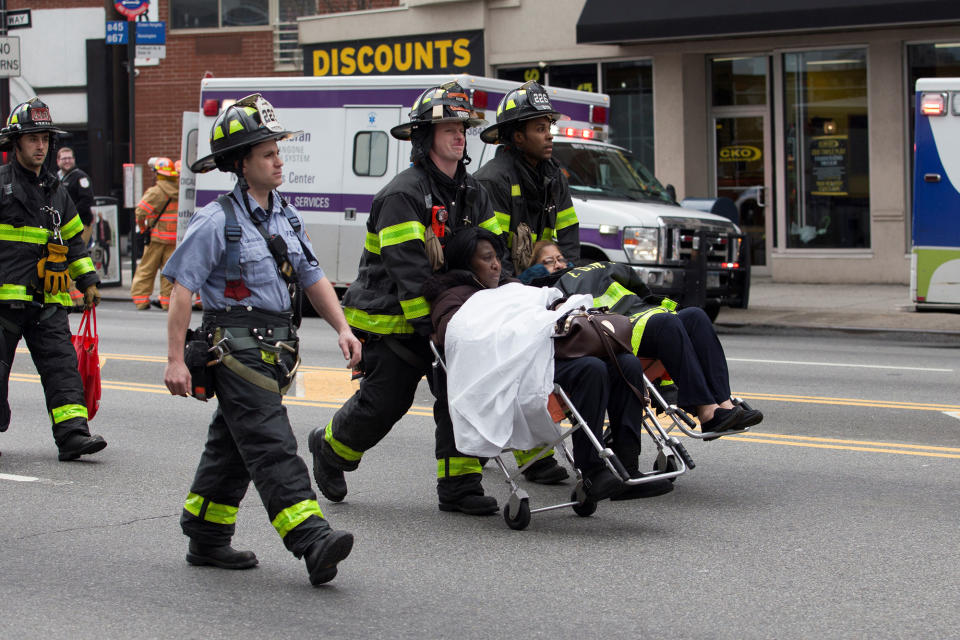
(641, 244)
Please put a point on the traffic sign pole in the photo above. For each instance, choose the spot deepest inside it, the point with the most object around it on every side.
(4, 82)
(132, 73)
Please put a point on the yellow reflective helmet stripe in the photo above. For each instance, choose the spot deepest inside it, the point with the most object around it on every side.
(67, 412)
(79, 267)
(492, 225)
(235, 126)
(33, 235)
(415, 308)
(372, 243)
(456, 466)
(290, 517)
(71, 229)
(514, 190)
(612, 295)
(566, 218)
(217, 132)
(338, 447)
(215, 512)
(400, 233)
(377, 323)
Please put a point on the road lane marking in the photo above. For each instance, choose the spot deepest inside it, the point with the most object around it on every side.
(14, 478)
(841, 364)
(852, 402)
(761, 438)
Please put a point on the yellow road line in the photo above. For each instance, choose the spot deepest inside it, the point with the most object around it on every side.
(851, 402)
(929, 454)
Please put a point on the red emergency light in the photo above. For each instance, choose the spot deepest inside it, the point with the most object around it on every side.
(479, 99)
(729, 265)
(211, 107)
(573, 132)
(598, 114)
(933, 104)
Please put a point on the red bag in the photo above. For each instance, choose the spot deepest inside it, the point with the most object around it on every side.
(85, 341)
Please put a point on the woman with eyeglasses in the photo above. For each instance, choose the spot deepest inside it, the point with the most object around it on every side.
(683, 340)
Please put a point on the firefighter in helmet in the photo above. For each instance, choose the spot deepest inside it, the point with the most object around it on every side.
(532, 199)
(41, 251)
(422, 207)
(157, 221)
(248, 254)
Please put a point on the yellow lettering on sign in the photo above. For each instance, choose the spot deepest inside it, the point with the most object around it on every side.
(383, 58)
(321, 63)
(531, 74)
(398, 60)
(442, 46)
(461, 51)
(423, 53)
(739, 153)
(364, 52)
(348, 65)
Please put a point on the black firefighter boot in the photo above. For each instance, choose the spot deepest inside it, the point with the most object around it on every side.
(323, 556)
(465, 494)
(223, 556)
(329, 478)
(546, 470)
(80, 444)
(627, 449)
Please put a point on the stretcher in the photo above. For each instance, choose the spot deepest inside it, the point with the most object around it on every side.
(672, 458)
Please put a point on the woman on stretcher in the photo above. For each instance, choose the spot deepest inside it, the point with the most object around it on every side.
(594, 386)
(684, 341)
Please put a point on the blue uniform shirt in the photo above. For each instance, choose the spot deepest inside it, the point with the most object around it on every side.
(199, 262)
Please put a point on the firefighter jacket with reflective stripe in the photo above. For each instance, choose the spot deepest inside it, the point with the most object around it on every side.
(386, 297)
(25, 229)
(539, 197)
(164, 230)
(618, 287)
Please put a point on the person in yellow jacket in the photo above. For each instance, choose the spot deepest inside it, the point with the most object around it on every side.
(157, 212)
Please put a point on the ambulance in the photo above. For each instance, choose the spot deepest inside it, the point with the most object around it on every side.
(935, 250)
(345, 155)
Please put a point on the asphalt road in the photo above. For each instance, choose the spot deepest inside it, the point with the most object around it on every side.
(836, 518)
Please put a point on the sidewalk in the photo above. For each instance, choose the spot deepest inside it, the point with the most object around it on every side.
(882, 308)
(801, 308)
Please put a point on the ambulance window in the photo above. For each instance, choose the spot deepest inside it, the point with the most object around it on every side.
(370, 153)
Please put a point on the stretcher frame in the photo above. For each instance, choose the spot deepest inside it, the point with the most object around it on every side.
(672, 458)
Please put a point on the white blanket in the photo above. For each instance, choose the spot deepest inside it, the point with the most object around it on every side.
(499, 359)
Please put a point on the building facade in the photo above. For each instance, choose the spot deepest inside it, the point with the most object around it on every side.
(801, 113)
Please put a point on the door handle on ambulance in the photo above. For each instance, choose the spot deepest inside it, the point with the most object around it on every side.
(931, 177)
(350, 213)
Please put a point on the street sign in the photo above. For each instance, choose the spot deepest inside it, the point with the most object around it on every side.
(148, 33)
(18, 19)
(131, 8)
(154, 51)
(9, 57)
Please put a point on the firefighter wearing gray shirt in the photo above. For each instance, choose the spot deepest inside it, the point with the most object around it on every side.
(245, 253)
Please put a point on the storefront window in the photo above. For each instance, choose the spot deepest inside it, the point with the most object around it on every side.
(630, 87)
(739, 81)
(582, 77)
(827, 163)
(208, 14)
(522, 74)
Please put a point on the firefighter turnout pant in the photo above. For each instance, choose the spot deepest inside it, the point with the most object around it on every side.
(250, 438)
(46, 331)
(392, 370)
(155, 256)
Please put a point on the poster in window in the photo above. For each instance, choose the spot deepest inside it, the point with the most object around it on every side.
(828, 165)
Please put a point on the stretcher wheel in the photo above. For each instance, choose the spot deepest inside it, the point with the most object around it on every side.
(665, 463)
(583, 509)
(521, 518)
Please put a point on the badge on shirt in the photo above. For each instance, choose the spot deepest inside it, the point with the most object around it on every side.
(85, 183)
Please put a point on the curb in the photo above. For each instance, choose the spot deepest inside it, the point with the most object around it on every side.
(937, 336)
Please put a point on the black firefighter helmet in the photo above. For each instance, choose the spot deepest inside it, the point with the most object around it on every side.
(528, 101)
(244, 124)
(32, 116)
(446, 103)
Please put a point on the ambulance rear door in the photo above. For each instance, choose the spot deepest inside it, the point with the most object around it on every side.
(370, 162)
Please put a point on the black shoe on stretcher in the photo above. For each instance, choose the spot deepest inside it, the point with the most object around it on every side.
(329, 478)
(546, 471)
(722, 420)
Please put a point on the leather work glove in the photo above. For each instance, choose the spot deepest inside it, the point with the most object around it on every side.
(52, 269)
(433, 248)
(91, 296)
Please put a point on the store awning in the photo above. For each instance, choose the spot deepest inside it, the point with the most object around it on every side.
(617, 21)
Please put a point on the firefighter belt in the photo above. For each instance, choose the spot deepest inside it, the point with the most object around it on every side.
(272, 343)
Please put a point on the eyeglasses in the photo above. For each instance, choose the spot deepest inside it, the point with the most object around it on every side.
(549, 262)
